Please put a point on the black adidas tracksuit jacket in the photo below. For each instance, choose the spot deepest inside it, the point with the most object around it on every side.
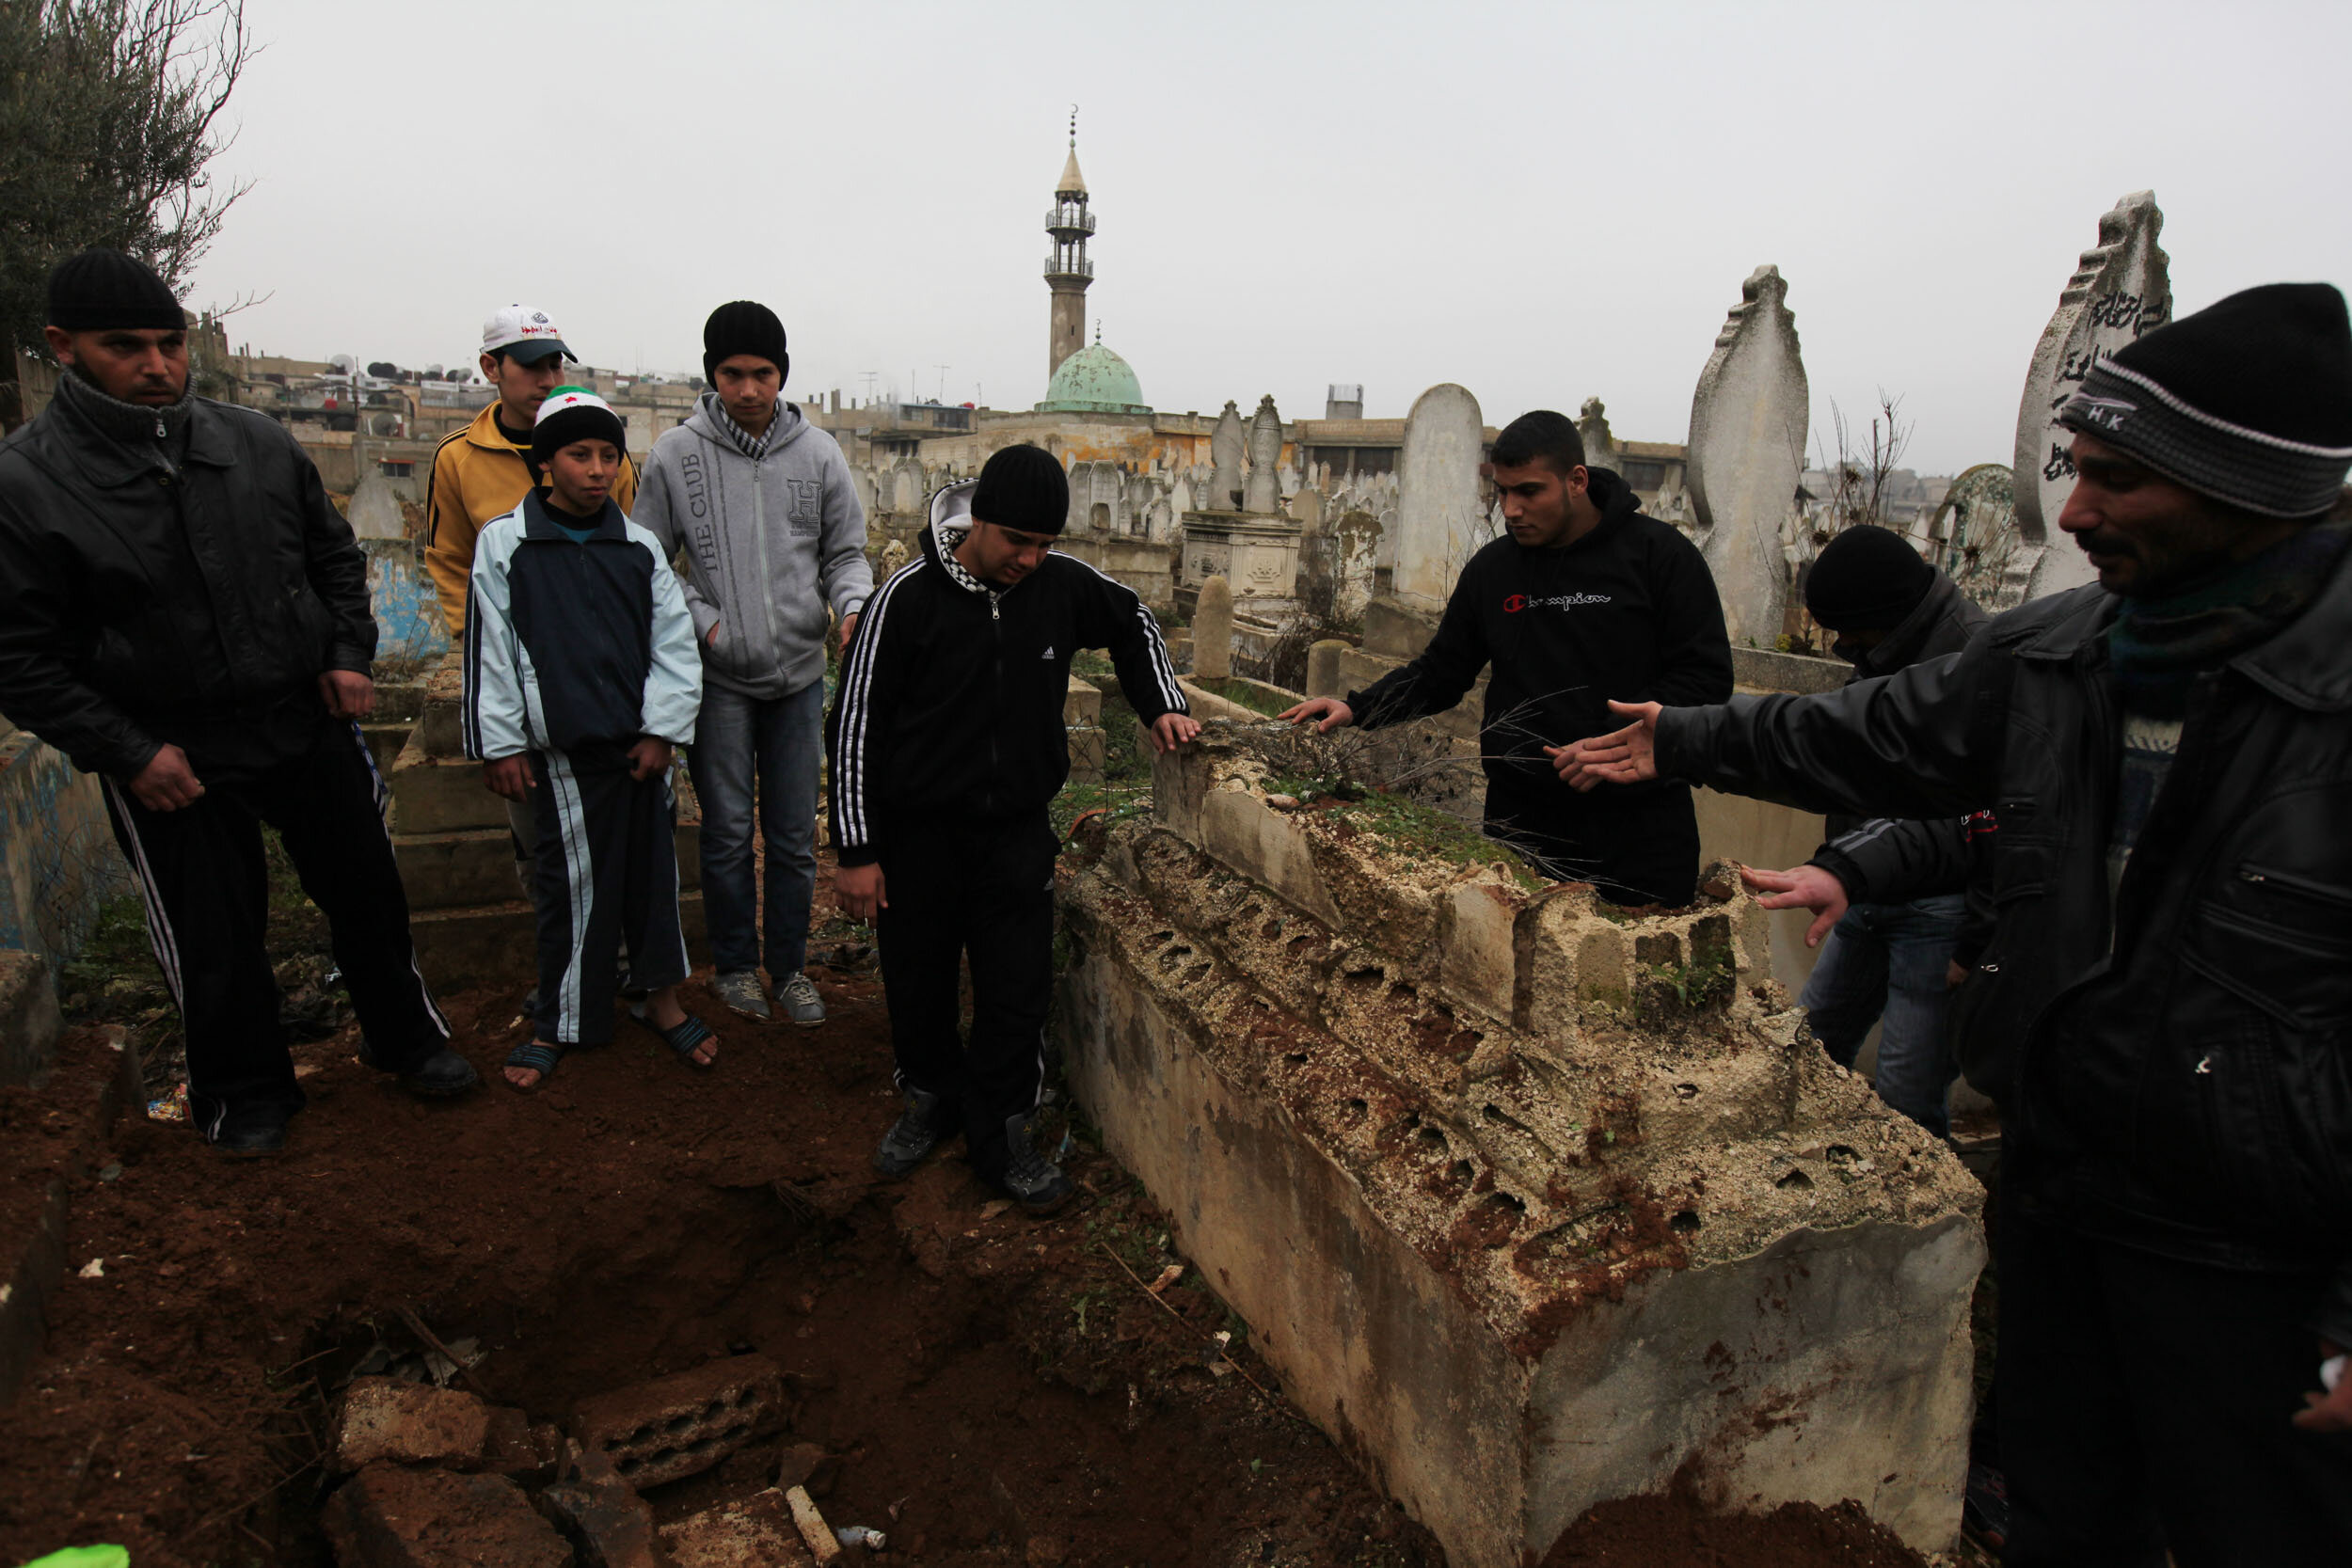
(946, 742)
(1630, 612)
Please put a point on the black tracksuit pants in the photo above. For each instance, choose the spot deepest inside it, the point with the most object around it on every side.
(203, 875)
(607, 871)
(985, 890)
(2144, 1405)
(1644, 849)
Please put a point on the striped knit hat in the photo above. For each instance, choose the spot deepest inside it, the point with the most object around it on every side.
(2249, 401)
(574, 414)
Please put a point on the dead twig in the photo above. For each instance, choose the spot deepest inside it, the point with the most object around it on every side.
(1197, 1333)
(415, 1326)
(234, 1510)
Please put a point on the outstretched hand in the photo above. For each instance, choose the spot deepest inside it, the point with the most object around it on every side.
(1171, 729)
(1629, 755)
(1808, 887)
(1324, 713)
(2330, 1411)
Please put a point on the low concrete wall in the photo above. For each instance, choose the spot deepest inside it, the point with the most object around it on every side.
(58, 864)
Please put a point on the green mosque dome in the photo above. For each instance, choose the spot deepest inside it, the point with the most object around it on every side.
(1093, 381)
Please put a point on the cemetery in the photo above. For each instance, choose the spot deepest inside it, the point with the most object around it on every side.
(1431, 1212)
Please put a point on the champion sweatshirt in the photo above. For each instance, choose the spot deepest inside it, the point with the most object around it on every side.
(771, 543)
(1630, 612)
(951, 703)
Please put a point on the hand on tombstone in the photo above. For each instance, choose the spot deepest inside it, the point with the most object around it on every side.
(1808, 887)
(650, 755)
(1623, 756)
(859, 891)
(2330, 1411)
(348, 693)
(167, 782)
(1326, 713)
(1171, 729)
(511, 778)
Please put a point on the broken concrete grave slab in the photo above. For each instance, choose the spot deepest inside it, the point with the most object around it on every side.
(1528, 1200)
(603, 1515)
(410, 1423)
(756, 1532)
(678, 1426)
(389, 1516)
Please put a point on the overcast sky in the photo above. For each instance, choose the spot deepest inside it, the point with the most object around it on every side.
(1543, 202)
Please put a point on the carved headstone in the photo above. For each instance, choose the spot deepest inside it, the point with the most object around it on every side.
(2120, 289)
(1974, 536)
(1225, 449)
(1213, 631)
(1263, 494)
(1307, 510)
(1592, 428)
(1439, 521)
(1748, 422)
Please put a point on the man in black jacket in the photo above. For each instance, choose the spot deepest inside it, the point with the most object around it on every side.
(182, 613)
(2165, 1009)
(1887, 958)
(1586, 596)
(946, 743)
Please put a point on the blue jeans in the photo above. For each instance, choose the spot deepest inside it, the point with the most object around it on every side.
(767, 749)
(1886, 962)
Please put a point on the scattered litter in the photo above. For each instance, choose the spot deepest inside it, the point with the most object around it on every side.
(94, 1269)
(112, 1172)
(812, 1525)
(2331, 1372)
(861, 1535)
(899, 1504)
(993, 1208)
(1168, 1275)
(171, 1107)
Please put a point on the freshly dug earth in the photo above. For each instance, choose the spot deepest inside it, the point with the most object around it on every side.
(999, 1390)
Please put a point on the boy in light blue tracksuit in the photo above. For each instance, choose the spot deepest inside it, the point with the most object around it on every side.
(580, 675)
(760, 502)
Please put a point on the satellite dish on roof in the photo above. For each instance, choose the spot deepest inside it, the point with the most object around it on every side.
(345, 363)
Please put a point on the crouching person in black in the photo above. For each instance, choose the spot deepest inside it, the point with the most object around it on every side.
(946, 742)
(183, 614)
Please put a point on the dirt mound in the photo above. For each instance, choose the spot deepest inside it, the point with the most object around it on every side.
(995, 1390)
(1674, 1530)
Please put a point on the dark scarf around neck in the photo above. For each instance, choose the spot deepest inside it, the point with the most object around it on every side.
(2157, 647)
(134, 424)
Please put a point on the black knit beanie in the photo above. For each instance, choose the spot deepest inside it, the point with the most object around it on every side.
(104, 290)
(574, 414)
(2247, 400)
(743, 327)
(1867, 578)
(1022, 487)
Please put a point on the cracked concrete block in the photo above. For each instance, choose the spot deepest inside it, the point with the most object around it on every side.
(1252, 838)
(30, 1021)
(1520, 1261)
(678, 1426)
(410, 1423)
(1477, 957)
(604, 1519)
(389, 1516)
(756, 1532)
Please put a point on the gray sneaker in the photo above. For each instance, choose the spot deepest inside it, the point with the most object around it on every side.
(913, 1136)
(802, 1004)
(1030, 1178)
(739, 989)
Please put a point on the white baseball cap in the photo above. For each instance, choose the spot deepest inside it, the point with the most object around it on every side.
(525, 334)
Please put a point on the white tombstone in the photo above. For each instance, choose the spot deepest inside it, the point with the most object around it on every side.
(1213, 631)
(1225, 450)
(1748, 423)
(1439, 521)
(2120, 289)
(1262, 493)
(374, 510)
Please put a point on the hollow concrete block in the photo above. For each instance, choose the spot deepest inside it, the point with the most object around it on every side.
(683, 1424)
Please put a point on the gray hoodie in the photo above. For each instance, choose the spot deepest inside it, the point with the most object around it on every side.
(768, 541)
